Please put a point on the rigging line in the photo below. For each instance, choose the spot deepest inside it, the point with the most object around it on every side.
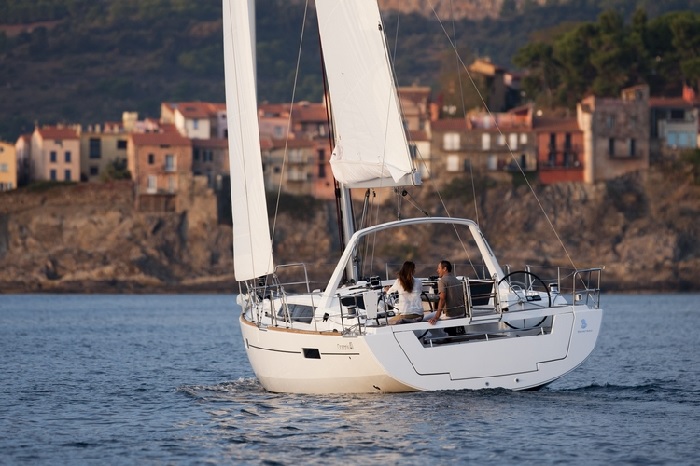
(495, 122)
(464, 105)
(289, 119)
(457, 58)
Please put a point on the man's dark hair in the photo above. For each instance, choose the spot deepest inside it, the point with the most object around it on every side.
(446, 265)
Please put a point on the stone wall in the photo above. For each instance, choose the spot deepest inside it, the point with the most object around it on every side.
(88, 237)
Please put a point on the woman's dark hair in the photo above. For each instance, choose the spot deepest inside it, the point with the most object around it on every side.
(406, 275)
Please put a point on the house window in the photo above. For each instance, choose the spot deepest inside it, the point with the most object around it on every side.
(66, 175)
(671, 139)
(94, 171)
(523, 138)
(500, 140)
(121, 144)
(67, 156)
(3, 167)
(171, 184)
(611, 121)
(52, 175)
(321, 157)
(485, 141)
(52, 156)
(151, 159)
(151, 184)
(169, 163)
(452, 163)
(492, 163)
(95, 148)
(195, 124)
(513, 141)
(450, 141)
(611, 147)
(633, 148)
(195, 154)
(683, 139)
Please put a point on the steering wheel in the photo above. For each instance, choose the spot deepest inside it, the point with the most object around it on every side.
(525, 289)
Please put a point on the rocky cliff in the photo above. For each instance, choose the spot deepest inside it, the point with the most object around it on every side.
(88, 237)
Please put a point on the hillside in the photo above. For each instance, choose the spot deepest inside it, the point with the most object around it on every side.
(78, 61)
(87, 238)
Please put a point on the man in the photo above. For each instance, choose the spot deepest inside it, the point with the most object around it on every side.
(451, 294)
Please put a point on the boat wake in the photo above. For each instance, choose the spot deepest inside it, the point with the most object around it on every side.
(223, 389)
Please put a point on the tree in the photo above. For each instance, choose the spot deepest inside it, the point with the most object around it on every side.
(116, 171)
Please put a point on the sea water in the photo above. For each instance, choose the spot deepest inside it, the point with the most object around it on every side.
(90, 379)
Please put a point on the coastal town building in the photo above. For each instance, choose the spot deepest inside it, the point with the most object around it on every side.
(483, 143)
(560, 155)
(8, 166)
(161, 167)
(674, 124)
(23, 148)
(615, 134)
(100, 147)
(55, 154)
(196, 120)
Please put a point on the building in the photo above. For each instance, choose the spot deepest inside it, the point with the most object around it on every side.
(560, 153)
(289, 165)
(196, 120)
(161, 167)
(8, 166)
(55, 154)
(210, 159)
(484, 143)
(674, 124)
(100, 147)
(615, 134)
(23, 149)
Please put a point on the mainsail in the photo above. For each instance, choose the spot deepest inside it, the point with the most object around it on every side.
(252, 246)
(370, 142)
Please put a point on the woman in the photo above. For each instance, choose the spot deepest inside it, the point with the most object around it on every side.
(410, 307)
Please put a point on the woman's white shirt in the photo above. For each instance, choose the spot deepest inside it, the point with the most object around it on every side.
(409, 303)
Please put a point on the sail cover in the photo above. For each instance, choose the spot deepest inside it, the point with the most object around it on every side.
(252, 246)
(370, 142)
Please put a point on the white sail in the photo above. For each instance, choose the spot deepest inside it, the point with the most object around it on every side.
(252, 246)
(370, 142)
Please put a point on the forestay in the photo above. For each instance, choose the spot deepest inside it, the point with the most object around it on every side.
(370, 142)
(252, 246)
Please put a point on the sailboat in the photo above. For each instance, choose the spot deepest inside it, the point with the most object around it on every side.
(519, 331)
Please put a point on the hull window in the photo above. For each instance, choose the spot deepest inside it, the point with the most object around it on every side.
(311, 353)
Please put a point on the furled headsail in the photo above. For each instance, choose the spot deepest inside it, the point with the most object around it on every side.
(370, 141)
(252, 246)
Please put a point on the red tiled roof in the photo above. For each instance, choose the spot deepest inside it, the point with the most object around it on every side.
(198, 109)
(677, 102)
(155, 139)
(52, 132)
(418, 135)
(309, 112)
(449, 124)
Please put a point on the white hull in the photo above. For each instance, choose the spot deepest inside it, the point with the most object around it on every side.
(393, 359)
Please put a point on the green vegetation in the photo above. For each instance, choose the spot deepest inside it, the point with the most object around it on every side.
(116, 171)
(85, 61)
(43, 186)
(692, 158)
(605, 56)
